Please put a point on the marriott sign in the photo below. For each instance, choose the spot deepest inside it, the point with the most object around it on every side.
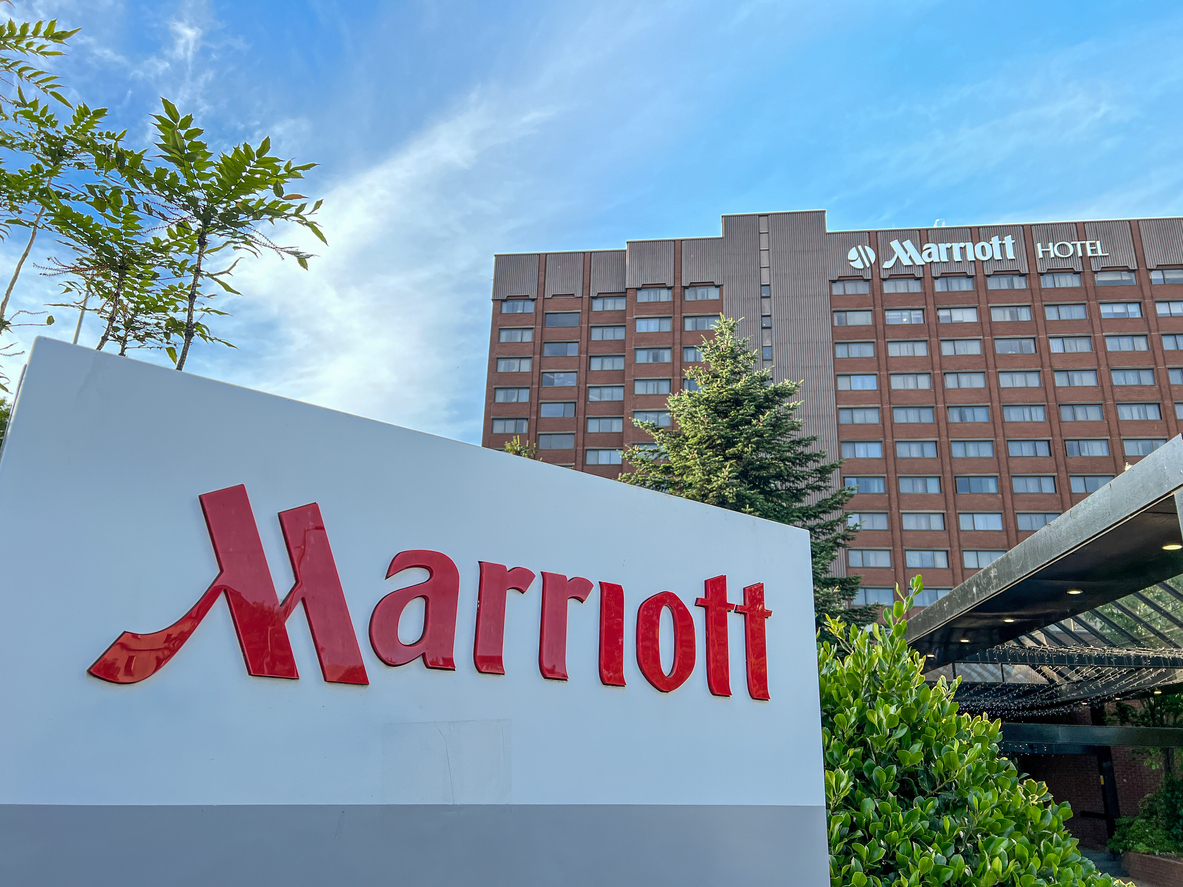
(905, 253)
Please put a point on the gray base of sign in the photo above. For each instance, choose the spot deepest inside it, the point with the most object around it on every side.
(483, 844)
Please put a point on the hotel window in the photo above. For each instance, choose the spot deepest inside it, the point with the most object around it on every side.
(1126, 343)
(916, 449)
(651, 386)
(861, 416)
(957, 315)
(961, 346)
(867, 520)
(1065, 312)
(1019, 380)
(854, 349)
(1075, 378)
(920, 484)
(902, 285)
(701, 322)
(907, 348)
(1133, 377)
(1006, 282)
(605, 392)
(1169, 309)
(1033, 483)
(1059, 279)
(657, 417)
(897, 316)
(653, 294)
(1086, 447)
(930, 596)
(1088, 483)
(601, 457)
(560, 349)
(653, 325)
(607, 362)
(911, 381)
(912, 415)
(766, 352)
(862, 449)
(1081, 412)
(972, 449)
(601, 424)
(976, 484)
(969, 414)
(1014, 346)
(1142, 447)
(691, 354)
(865, 382)
(1171, 342)
(513, 334)
(1116, 278)
(850, 287)
(510, 426)
(1175, 376)
(517, 306)
(953, 284)
(1070, 344)
(965, 380)
(700, 293)
(690, 385)
(1138, 411)
(653, 355)
(1167, 275)
(979, 520)
(556, 441)
(976, 559)
(1121, 309)
(556, 409)
(766, 291)
(1179, 411)
(558, 380)
(1010, 313)
(1024, 413)
(765, 322)
(922, 520)
(562, 319)
(511, 395)
(865, 484)
(1035, 520)
(919, 558)
(607, 333)
(868, 557)
(607, 303)
(874, 597)
(1024, 448)
(513, 364)
(852, 318)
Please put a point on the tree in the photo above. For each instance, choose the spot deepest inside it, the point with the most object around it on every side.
(211, 203)
(518, 447)
(917, 793)
(5, 415)
(736, 442)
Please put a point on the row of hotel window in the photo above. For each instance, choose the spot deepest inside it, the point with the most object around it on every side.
(1005, 313)
(919, 558)
(690, 354)
(690, 323)
(595, 393)
(1069, 412)
(525, 305)
(1078, 483)
(955, 283)
(885, 597)
(1022, 345)
(979, 449)
(1006, 379)
(595, 424)
(935, 520)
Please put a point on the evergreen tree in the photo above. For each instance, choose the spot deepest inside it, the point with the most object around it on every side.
(736, 442)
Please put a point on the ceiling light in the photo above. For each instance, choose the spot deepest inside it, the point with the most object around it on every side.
(1158, 692)
(1174, 546)
(1008, 619)
(964, 640)
(1075, 591)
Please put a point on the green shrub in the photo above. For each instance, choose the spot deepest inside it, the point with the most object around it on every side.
(1158, 827)
(918, 793)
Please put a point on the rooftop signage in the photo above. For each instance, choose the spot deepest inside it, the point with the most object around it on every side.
(996, 248)
(502, 666)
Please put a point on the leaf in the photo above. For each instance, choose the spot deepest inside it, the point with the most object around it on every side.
(172, 354)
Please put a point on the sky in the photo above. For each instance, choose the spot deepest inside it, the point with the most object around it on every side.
(446, 132)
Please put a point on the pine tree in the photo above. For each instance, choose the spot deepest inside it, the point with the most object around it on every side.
(736, 442)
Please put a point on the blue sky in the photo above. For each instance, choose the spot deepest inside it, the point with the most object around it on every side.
(449, 131)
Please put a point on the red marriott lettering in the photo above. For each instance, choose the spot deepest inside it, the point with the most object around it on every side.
(260, 617)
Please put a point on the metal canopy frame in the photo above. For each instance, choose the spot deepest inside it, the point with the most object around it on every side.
(1086, 610)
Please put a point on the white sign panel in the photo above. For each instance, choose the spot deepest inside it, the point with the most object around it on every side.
(244, 629)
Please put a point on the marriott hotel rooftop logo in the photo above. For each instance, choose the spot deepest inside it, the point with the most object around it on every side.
(996, 248)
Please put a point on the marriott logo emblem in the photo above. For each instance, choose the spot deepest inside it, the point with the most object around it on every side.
(260, 618)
